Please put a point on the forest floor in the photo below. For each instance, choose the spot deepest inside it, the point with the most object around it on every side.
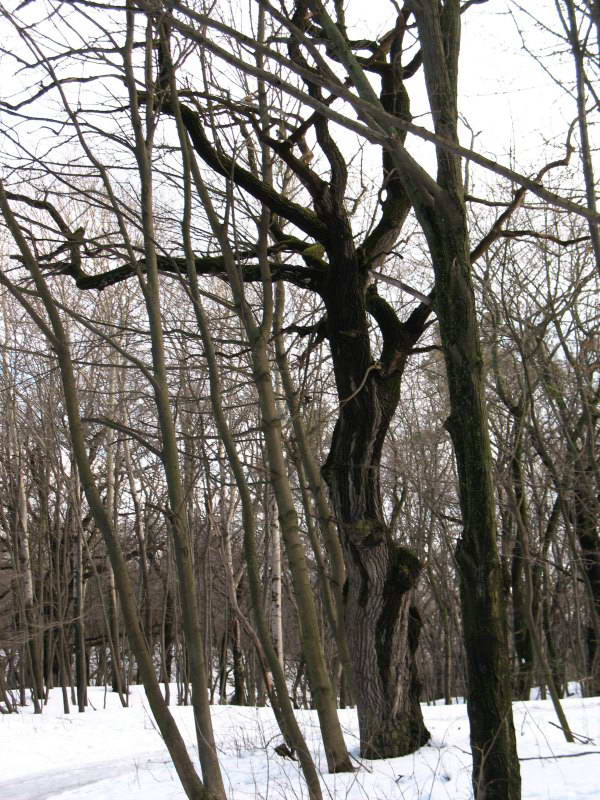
(111, 753)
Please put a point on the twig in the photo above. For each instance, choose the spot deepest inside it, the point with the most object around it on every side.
(582, 739)
(562, 755)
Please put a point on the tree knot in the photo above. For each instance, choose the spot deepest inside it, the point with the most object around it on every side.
(366, 533)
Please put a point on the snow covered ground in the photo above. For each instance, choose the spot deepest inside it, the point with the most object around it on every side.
(111, 753)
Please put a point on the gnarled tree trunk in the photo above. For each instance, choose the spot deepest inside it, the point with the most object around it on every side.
(382, 625)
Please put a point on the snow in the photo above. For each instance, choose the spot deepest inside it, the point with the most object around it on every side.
(111, 753)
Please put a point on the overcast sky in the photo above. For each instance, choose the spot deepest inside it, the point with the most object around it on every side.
(503, 92)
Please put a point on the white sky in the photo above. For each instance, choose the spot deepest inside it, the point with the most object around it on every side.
(502, 84)
(503, 92)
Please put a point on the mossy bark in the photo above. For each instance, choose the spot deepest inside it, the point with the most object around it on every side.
(586, 509)
(495, 762)
(489, 701)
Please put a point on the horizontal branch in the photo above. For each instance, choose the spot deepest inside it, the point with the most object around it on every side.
(303, 277)
(517, 234)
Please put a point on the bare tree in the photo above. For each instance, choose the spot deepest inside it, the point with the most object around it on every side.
(229, 163)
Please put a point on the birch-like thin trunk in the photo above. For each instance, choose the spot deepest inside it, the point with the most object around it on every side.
(233, 586)
(24, 586)
(275, 581)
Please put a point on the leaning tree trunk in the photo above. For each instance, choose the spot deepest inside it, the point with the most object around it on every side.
(440, 209)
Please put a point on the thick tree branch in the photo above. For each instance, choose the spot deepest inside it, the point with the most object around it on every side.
(382, 127)
(226, 166)
(398, 337)
(303, 277)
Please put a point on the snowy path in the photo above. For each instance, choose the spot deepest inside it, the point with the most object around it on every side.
(54, 783)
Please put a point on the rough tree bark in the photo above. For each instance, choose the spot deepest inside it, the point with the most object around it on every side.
(440, 210)
(381, 624)
(444, 221)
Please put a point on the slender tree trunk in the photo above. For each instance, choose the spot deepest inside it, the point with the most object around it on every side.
(140, 532)
(581, 79)
(79, 603)
(522, 639)
(24, 586)
(177, 516)
(523, 528)
(334, 580)
(440, 209)
(335, 748)
(321, 689)
(283, 709)
(495, 764)
(30, 610)
(276, 594)
(239, 669)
